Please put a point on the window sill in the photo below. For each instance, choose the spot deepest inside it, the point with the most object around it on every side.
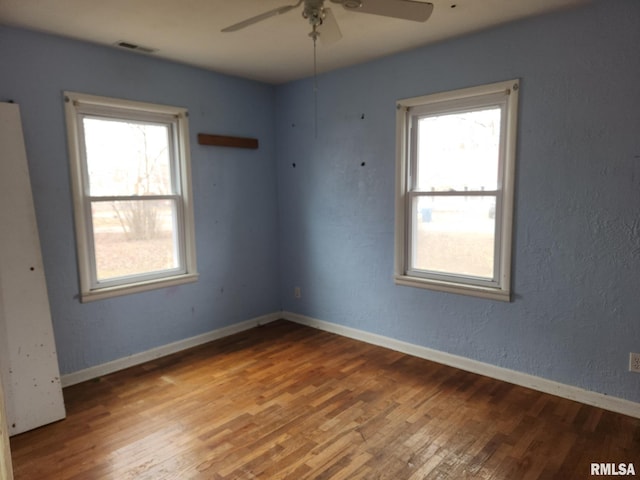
(110, 292)
(452, 287)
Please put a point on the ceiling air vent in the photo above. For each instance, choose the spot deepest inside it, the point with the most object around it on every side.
(134, 47)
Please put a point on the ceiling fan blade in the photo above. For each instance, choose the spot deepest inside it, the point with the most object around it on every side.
(259, 18)
(329, 30)
(404, 9)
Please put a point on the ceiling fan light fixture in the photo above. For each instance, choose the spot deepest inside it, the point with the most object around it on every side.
(314, 15)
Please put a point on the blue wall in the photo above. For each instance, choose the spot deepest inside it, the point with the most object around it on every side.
(327, 224)
(575, 314)
(234, 194)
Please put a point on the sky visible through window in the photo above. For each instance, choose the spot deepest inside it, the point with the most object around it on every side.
(126, 158)
(459, 151)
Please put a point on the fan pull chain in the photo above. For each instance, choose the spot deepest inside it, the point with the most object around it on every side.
(314, 35)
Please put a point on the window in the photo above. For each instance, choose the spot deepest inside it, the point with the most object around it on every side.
(454, 199)
(131, 183)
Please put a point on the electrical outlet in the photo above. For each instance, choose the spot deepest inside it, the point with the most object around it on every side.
(296, 292)
(634, 362)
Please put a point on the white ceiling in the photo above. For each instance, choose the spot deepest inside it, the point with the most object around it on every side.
(276, 50)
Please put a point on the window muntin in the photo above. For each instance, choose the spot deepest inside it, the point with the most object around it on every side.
(132, 196)
(455, 189)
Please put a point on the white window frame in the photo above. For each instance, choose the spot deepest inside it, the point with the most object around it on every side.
(503, 94)
(79, 105)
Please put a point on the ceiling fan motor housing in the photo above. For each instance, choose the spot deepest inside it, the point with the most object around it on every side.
(314, 11)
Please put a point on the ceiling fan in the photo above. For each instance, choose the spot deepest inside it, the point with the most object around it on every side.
(324, 24)
(325, 27)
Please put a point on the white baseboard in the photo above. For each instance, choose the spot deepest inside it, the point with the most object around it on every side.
(588, 397)
(164, 350)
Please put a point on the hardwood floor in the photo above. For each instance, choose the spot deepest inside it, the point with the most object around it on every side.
(284, 401)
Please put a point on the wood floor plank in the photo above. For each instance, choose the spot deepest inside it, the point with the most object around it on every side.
(284, 401)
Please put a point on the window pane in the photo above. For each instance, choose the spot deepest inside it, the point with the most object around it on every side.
(134, 237)
(459, 151)
(454, 235)
(127, 158)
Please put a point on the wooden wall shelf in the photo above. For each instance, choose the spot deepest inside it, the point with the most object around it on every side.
(226, 141)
